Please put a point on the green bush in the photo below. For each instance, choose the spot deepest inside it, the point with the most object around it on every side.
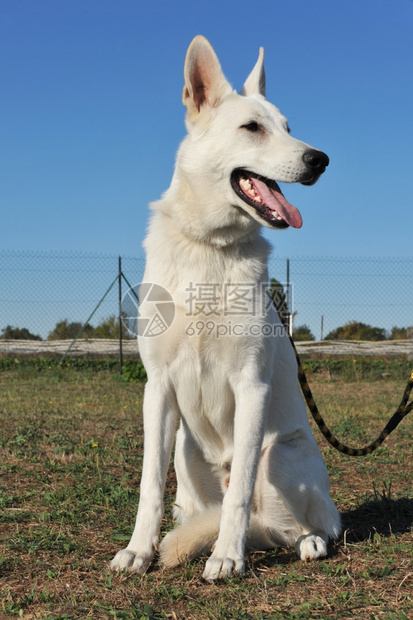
(354, 330)
(302, 333)
(134, 371)
(17, 333)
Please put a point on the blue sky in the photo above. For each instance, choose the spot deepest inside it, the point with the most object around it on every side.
(92, 116)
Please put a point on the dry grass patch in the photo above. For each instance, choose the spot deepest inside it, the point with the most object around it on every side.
(70, 459)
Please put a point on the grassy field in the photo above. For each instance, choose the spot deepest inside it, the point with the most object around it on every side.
(70, 459)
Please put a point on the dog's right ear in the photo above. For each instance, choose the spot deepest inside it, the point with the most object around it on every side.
(205, 83)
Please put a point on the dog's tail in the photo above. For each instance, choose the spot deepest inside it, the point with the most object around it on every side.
(199, 533)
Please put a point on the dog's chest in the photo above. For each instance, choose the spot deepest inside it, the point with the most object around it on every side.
(206, 401)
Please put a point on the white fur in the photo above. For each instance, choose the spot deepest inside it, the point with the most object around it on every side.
(248, 468)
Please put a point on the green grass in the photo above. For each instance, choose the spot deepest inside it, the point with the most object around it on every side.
(70, 459)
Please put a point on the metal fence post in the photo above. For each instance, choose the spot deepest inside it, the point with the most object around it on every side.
(289, 309)
(120, 315)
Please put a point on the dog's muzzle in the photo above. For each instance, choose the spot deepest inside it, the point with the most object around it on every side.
(316, 163)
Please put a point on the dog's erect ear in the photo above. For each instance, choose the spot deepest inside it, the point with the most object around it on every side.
(255, 82)
(205, 84)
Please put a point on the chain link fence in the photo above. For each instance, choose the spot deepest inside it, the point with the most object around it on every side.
(329, 292)
(39, 290)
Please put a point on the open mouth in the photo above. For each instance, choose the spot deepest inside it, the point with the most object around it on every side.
(265, 196)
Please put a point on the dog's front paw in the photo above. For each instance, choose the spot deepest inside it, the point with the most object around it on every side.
(223, 568)
(131, 562)
(311, 547)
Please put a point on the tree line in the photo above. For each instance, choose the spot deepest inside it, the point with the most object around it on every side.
(109, 328)
(354, 330)
(69, 330)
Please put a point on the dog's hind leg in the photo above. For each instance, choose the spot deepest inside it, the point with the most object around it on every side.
(197, 506)
(197, 483)
(292, 496)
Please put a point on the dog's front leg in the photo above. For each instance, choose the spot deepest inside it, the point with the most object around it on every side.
(160, 416)
(227, 558)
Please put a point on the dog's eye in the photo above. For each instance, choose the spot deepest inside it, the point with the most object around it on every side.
(252, 126)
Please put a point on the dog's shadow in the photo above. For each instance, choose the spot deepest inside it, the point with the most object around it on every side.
(380, 515)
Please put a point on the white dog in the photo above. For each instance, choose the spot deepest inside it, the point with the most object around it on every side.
(248, 469)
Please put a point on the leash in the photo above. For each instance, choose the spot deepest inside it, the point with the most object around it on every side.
(402, 410)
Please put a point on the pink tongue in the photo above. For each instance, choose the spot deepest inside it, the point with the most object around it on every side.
(276, 202)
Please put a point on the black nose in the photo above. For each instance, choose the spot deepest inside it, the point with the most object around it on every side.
(317, 161)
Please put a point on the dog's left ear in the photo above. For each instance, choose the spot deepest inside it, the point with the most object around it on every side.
(255, 82)
(205, 83)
